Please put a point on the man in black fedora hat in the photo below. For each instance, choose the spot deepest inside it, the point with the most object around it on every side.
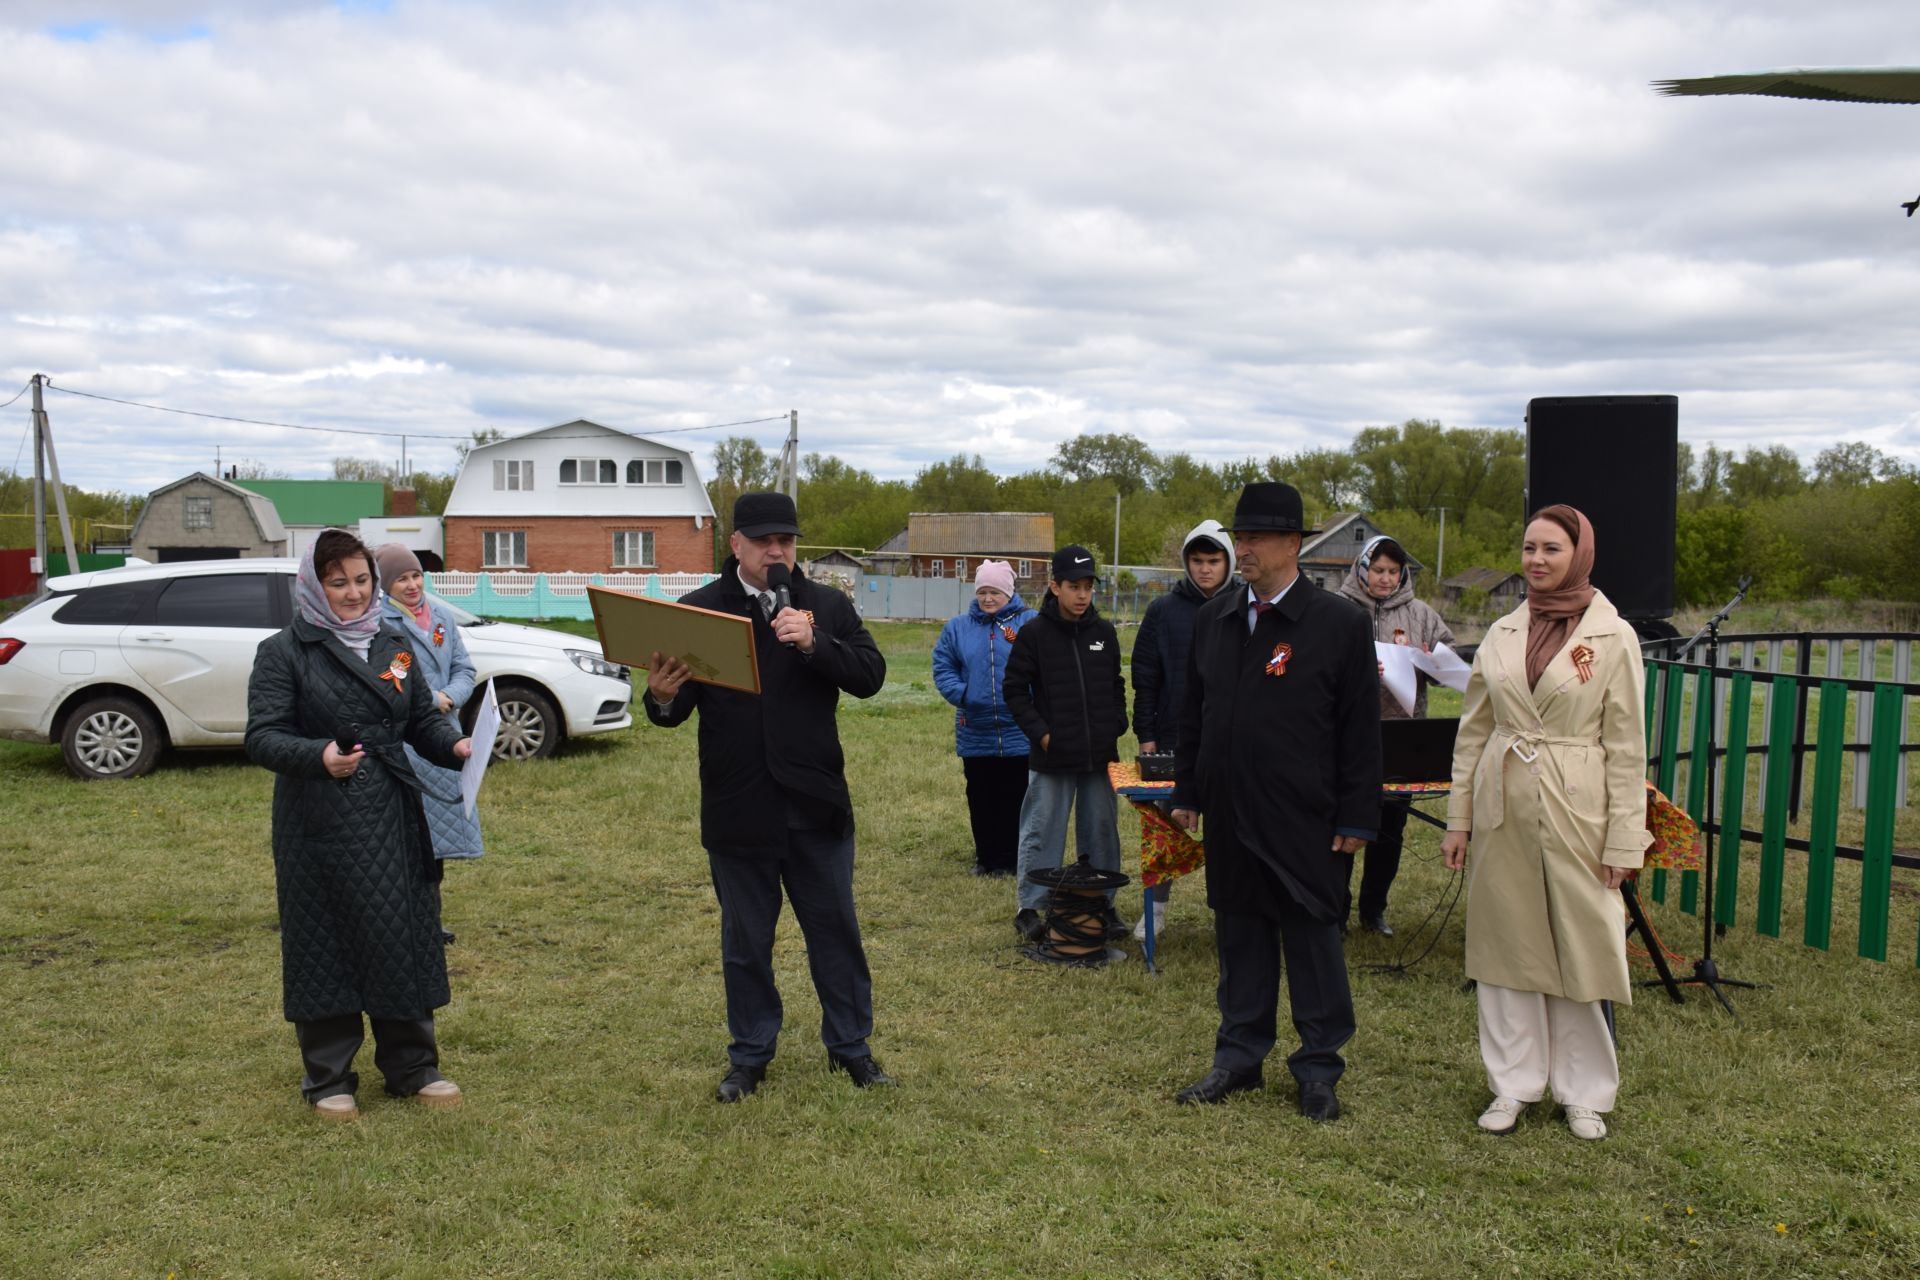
(775, 813)
(1279, 757)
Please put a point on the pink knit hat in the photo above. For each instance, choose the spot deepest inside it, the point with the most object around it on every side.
(997, 574)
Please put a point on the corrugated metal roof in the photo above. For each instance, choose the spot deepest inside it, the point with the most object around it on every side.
(340, 503)
(979, 532)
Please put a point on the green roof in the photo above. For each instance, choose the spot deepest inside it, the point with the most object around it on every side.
(342, 503)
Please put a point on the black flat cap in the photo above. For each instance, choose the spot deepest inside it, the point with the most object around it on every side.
(1268, 506)
(755, 515)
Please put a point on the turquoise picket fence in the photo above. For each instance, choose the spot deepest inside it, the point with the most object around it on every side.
(1769, 714)
(541, 596)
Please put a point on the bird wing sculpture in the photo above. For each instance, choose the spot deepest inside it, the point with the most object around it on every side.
(1829, 84)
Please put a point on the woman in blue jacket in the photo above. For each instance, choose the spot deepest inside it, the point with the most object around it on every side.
(442, 658)
(970, 670)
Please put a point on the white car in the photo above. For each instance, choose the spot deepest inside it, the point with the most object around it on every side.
(118, 663)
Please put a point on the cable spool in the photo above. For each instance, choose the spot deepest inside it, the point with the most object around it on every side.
(1075, 932)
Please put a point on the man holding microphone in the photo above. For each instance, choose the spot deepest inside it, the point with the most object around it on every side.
(775, 813)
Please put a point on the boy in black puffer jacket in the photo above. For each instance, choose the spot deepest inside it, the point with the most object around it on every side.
(1066, 692)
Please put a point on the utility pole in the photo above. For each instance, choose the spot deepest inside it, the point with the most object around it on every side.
(43, 444)
(1116, 552)
(787, 479)
(1440, 570)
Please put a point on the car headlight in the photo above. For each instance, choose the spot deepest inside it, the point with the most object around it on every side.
(595, 665)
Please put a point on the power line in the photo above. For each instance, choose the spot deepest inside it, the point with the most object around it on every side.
(16, 395)
(368, 431)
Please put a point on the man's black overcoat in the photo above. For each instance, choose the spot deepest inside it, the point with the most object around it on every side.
(761, 752)
(1276, 763)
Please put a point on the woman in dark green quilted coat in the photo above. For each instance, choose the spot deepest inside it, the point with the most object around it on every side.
(353, 864)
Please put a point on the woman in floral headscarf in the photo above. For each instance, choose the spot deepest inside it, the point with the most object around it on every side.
(331, 702)
(1549, 785)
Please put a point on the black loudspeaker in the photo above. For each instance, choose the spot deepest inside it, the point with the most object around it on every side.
(1616, 458)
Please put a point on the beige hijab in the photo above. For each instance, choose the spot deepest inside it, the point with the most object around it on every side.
(1554, 614)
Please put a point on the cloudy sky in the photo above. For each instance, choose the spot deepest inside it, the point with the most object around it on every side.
(1232, 228)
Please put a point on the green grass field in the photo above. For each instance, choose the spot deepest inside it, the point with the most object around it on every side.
(153, 1128)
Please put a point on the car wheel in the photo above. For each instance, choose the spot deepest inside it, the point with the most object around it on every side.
(529, 724)
(110, 738)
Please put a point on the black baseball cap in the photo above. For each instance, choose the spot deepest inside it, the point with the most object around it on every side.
(755, 515)
(1072, 563)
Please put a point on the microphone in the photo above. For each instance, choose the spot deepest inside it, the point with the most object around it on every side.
(779, 580)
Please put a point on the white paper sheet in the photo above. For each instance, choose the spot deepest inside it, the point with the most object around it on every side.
(486, 726)
(1445, 666)
(1397, 674)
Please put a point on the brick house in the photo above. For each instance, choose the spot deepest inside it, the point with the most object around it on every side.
(199, 517)
(579, 498)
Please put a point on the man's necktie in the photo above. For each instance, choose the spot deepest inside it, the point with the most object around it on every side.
(1260, 608)
(766, 605)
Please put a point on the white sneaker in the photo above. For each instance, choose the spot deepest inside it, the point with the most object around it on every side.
(1502, 1116)
(1585, 1122)
(336, 1106)
(441, 1093)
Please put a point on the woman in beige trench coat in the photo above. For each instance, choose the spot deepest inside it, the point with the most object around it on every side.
(1549, 785)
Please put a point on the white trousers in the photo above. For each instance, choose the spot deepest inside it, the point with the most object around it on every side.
(1531, 1042)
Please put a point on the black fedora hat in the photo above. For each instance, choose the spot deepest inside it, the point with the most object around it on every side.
(1268, 506)
(755, 515)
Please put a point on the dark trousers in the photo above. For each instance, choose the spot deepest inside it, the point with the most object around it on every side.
(996, 785)
(1382, 859)
(817, 875)
(1250, 948)
(403, 1050)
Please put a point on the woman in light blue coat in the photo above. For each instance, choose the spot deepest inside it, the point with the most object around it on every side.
(442, 658)
(970, 670)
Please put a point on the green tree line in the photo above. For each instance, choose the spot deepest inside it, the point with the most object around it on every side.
(1847, 526)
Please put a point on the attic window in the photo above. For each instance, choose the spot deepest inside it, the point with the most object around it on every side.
(1359, 533)
(654, 471)
(199, 513)
(588, 471)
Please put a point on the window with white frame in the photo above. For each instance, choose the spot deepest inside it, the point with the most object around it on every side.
(960, 569)
(589, 471)
(937, 568)
(1026, 569)
(654, 471)
(199, 514)
(503, 549)
(633, 549)
(514, 473)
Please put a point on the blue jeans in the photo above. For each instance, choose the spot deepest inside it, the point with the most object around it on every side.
(1043, 826)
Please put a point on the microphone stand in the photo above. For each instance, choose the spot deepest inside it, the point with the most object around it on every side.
(1705, 972)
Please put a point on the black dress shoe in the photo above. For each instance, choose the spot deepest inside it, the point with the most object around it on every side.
(1318, 1102)
(740, 1081)
(863, 1071)
(1377, 924)
(1118, 930)
(1029, 924)
(1218, 1085)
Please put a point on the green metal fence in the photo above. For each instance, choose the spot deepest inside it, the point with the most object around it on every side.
(1778, 730)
